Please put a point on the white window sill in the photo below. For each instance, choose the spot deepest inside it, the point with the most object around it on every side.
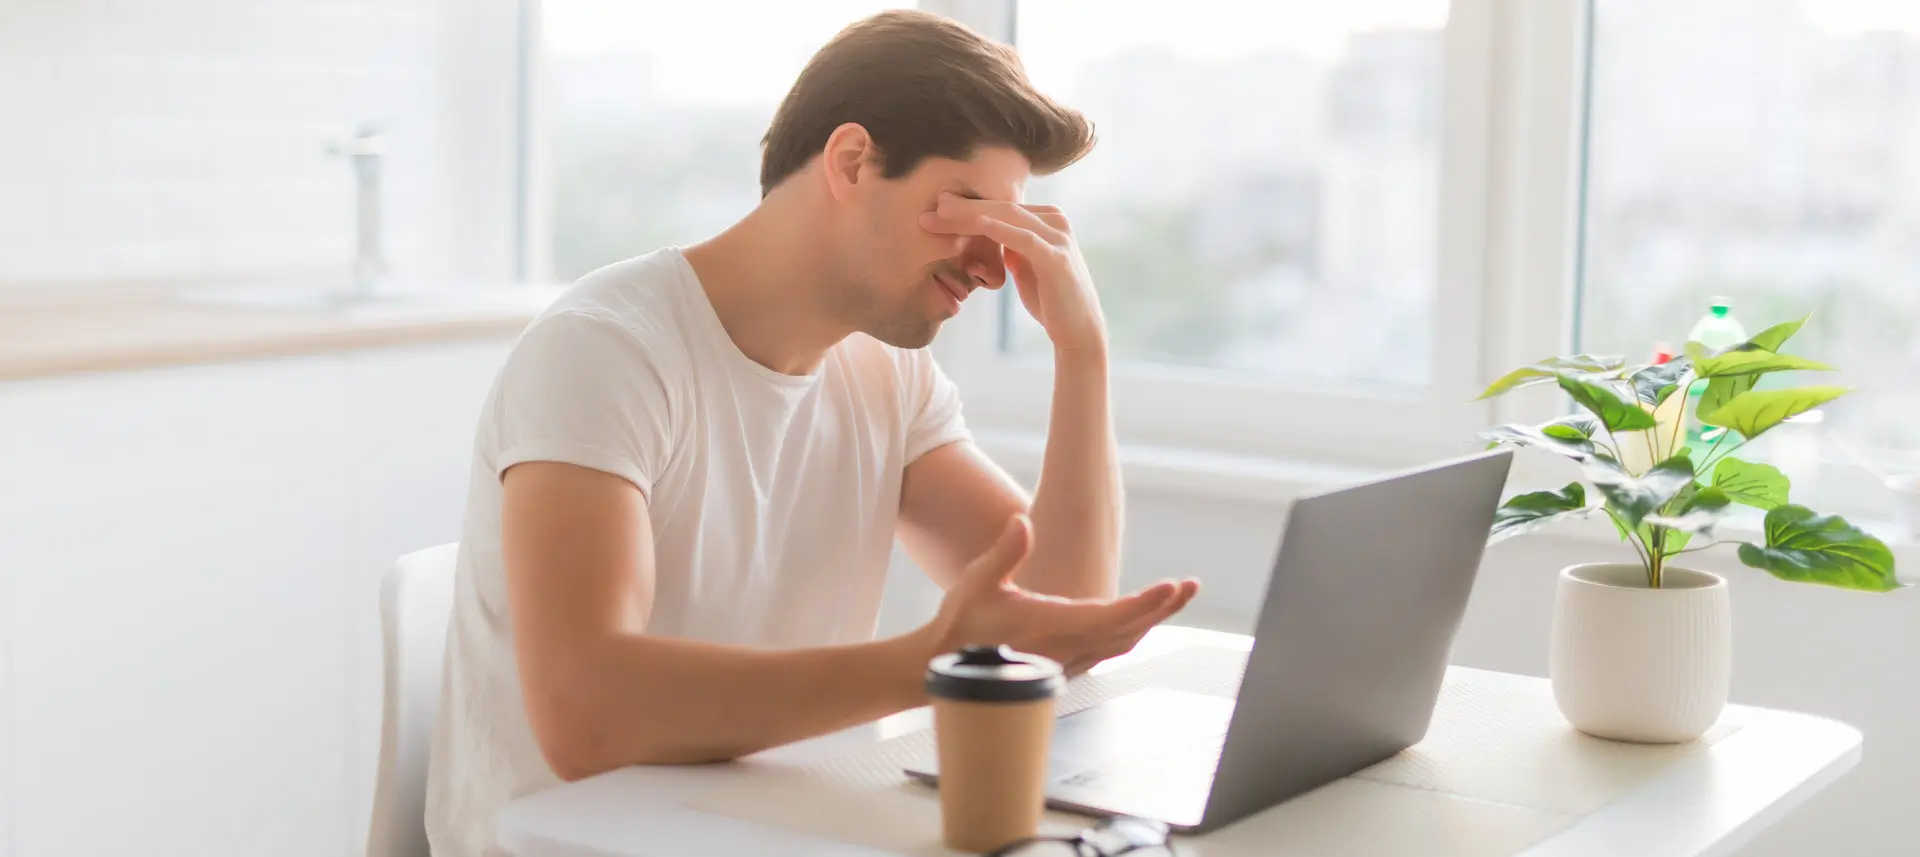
(1185, 471)
(1193, 472)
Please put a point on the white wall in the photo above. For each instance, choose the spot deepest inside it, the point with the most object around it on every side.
(190, 567)
(188, 138)
(1804, 648)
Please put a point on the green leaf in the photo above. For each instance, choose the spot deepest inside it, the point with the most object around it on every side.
(1761, 486)
(1729, 384)
(1634, 499)
(1587, 426)
(1755, 362)
(1655, 383)
(1723, 390)
(1616, 413)
(1560, 432)
(1676, 542)
(1695, 510)
(1551, 368)
(1754, 412)
(1773, 337)
(1620, 527)
(1529, 512)
(1808, 548)
(1768, 340)
(1550, 437)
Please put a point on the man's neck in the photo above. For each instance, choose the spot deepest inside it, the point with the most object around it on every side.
(764, 277)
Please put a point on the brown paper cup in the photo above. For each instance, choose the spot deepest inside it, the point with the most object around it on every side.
(993, 723)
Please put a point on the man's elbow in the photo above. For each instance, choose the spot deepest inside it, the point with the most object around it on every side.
(578, 742)
(571, 738)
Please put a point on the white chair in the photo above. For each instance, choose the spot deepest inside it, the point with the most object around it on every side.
(416, 600)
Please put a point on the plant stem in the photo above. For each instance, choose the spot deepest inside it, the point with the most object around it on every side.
(1657, 550)
(1704, 467)
(1632, 539)
(1615, 447)
(1708, 546)
(1616, 453)
(1680, 424)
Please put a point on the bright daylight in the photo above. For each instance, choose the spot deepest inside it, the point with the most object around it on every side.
(1021, 428)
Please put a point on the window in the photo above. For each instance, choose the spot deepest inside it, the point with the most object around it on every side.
(1265, 193)
(1320, 229)
(1294, 213)
(655, 112)
(1284, 216)
(1766, 152)
(1284, 213)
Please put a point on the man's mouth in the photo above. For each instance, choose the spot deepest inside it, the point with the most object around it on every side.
(951, 286)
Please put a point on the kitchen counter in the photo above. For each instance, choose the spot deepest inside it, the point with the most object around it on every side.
(143, 331)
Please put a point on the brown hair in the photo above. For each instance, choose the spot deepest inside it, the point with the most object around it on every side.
(922, 86)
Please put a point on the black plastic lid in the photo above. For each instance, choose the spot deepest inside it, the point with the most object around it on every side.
(993, 674)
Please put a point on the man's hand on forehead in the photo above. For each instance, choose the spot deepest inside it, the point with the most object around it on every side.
(1043, 257)
(959, 215)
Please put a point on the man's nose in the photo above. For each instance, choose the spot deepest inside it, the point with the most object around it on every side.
(983, 264)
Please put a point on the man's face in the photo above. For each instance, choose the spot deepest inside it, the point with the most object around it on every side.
(906, 281)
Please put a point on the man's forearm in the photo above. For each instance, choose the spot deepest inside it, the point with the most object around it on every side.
(1077, 507)
(655, 700)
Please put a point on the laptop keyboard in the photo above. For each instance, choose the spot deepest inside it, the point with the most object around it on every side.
(1142, 741)
(1185, 758)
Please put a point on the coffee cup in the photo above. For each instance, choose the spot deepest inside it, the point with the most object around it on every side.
(992, 721)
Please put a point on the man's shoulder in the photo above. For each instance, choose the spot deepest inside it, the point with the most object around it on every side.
(641, 293)
(635, 301)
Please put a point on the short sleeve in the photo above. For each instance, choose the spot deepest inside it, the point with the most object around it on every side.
(933, 411)
(585, 390)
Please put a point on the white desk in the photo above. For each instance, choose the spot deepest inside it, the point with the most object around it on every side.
(1706, 802)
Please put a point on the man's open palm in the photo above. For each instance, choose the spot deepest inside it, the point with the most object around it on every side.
(986, 607)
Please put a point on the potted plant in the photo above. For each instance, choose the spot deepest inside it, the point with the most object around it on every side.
(1642, 652)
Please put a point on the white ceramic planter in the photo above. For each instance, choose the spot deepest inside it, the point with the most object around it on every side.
(1636, 664)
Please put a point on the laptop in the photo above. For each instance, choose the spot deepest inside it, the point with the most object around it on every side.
(1361, 609)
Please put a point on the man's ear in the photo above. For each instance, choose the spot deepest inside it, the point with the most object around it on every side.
(849, 149)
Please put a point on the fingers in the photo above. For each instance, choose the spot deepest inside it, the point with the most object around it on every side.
(958, 215)
(1082, 633)
(1166, 599)
(1043, 220)
(998, 564)
(1019, 239)
(1052, 216)
(1182, 594)
(1155, 605)
(1145, 605)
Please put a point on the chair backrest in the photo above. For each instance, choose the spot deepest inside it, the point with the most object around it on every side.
(416, 601)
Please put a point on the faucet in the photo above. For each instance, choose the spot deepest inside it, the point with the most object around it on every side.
(365, 151)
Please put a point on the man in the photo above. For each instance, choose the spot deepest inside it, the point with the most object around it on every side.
(690, 473)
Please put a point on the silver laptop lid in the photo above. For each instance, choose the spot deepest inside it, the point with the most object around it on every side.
(1361, 609)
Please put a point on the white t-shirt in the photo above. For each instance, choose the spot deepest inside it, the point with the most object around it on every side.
(773, 498)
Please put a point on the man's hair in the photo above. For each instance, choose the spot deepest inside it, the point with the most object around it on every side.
(922, 86)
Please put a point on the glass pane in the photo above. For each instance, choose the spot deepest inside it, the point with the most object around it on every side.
(1264, 193)
(657, 111)
(1767, 151)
